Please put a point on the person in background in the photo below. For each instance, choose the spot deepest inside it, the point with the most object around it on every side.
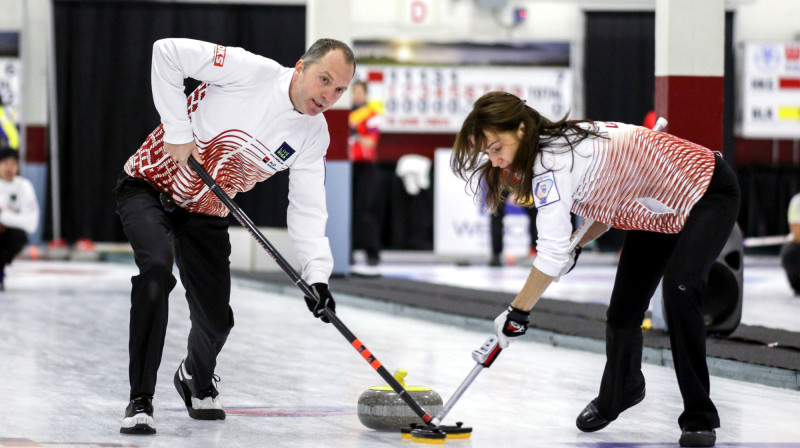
(497, 230)
(362, 149)
(650, 119)
(790, 252)
(677, 200)
(249, 119)
(19, 210)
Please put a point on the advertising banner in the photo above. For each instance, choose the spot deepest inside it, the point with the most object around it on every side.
(460, 223)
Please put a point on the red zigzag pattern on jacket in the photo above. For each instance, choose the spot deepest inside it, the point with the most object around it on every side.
(235, 166)
(231, 161)
(643, 164)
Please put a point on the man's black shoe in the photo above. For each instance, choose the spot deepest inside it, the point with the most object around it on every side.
(207, 406)
(139, 416)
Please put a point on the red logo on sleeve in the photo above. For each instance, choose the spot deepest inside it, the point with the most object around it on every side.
(219, 57)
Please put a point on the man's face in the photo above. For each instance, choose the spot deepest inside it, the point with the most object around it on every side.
(8, 169)
(318, 86)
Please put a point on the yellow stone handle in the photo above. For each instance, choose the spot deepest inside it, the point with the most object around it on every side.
(400, 376)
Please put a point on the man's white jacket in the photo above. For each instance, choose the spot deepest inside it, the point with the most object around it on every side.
(244, 125)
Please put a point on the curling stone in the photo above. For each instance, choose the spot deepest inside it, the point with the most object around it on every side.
(381, 408)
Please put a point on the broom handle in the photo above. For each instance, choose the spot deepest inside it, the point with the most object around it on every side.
(484, 357)
(245, 221)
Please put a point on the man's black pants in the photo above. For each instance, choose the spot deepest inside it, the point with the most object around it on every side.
(201, 249)
(684, 260)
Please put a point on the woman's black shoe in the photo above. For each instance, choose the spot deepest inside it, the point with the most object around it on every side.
(698, 437)
(590, 420)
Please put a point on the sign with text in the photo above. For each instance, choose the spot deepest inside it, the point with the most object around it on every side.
(769, 91)
(436, 99)
(460, 225)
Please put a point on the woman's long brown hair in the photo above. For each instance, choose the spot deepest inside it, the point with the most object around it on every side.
(503, 112)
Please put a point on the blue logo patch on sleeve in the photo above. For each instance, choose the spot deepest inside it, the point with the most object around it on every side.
(284, 151)
(545, 189)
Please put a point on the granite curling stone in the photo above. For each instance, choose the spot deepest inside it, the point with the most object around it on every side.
(381, 408)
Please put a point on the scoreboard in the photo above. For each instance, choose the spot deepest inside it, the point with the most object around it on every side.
(437, 99)
(769, 91)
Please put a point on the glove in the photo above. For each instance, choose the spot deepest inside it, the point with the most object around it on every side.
(510, 324)
(573, 260)
(325, 301)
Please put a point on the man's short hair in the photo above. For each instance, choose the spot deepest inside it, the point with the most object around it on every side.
(321, 47)
(9, 153)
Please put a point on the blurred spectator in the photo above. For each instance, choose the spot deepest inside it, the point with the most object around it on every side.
(364, 122)
(790, 253)
(496, 226)
(650, 120)
(19, 211)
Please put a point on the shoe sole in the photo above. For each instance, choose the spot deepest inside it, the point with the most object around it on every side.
(638, 400)
(593, 429)
(698, 440)
(141, 429)
(144, 427)
(186, 396)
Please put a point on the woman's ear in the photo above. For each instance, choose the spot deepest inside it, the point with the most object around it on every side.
(521, 130)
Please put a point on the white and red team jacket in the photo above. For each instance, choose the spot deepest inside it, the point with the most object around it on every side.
(636, 179)
(246, 129)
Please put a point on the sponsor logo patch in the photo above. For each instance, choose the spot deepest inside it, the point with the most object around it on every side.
(271, 163)
(545, 189)
(284, 151)
(219, 56)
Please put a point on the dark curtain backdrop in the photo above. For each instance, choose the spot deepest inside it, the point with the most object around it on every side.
(105, 106)
(619, 65)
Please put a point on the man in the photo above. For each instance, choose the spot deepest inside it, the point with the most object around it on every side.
(19, 211)
(249, 119)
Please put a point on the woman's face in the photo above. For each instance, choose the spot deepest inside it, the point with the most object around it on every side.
(501, 147)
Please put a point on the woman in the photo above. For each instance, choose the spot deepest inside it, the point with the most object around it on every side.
(678, 201)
